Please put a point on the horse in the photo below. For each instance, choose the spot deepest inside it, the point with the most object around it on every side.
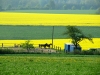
(44, 45)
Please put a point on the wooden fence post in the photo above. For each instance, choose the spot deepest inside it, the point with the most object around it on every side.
(56, 49)
(2, 44)
(60, 48)
(54, 46)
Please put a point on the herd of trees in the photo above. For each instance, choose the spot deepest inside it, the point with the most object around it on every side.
(49, 4)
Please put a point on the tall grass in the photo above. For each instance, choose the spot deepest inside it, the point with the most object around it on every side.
(33, 65)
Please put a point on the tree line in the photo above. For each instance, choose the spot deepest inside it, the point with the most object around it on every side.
(49, 4)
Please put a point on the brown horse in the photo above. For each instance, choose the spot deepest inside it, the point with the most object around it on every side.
(44, 45)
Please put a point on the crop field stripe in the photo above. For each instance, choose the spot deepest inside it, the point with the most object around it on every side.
(48, 19)
(56, 11)
(42, 32)
(85, 44)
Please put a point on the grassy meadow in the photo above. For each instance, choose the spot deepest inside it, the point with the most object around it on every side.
(49, 65)
(42, 32)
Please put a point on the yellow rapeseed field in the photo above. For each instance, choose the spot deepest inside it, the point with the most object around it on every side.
(85, 44)
(8, 18)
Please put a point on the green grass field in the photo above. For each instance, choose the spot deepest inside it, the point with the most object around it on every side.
(45, 64)
(41, 32)
(57, 11)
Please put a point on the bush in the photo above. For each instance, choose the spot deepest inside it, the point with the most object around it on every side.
(6, 51)
(85, 52)
(90, 52)
(27, 45)
(77, 52)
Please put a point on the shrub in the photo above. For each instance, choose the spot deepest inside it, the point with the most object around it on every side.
(77, 52)
(6, 51)
(90, 52)
(27, 45)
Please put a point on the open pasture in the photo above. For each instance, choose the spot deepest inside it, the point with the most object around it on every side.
(49, 65)
(10, 18)
(42, 32)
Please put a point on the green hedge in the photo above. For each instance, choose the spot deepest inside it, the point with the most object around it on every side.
(6, 51)
(76, 52)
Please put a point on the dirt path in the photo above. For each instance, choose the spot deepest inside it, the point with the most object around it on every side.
(36, 50)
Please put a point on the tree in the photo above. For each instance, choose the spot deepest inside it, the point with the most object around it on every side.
(0, 8)
(98, 11)
(0, 5)
(51, 4)
(64, 7)
(46, 6)
(98, 2)
(82, 8)
(27, 45)
(9, 7)
(76, 35)
(73, 7)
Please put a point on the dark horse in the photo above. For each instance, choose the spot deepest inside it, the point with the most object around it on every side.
(44, 45)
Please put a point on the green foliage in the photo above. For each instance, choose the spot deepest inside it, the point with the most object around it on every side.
(82, 8)
(73, 7)
(64, 7)
(77, 52)
(55, 11)
(98, 11)
(53, 4)
(0, 8)
(9, 7)
(6, 51)
(90, 52)
(76, 35)
(46, 6)
(27, 45)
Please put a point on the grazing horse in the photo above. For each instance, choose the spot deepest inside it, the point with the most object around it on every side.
(44, 45)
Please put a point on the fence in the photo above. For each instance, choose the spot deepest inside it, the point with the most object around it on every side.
(18, 48)
(7, 45)
(12, 45)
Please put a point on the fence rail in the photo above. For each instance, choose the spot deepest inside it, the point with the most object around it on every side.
(14, 45)
(37, 49)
